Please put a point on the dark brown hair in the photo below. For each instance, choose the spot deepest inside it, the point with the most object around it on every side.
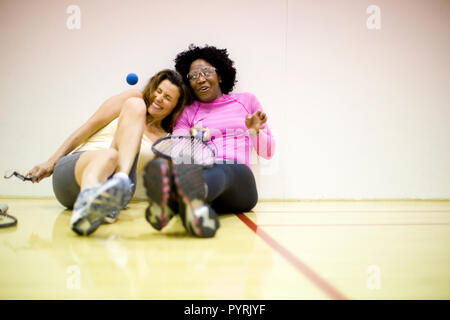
(185, 97)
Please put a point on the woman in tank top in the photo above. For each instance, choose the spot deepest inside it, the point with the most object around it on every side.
(94, 170)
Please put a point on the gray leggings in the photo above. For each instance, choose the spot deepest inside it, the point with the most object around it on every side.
(65, 186)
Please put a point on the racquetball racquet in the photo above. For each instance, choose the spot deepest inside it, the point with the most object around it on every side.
(6, 220)
(185, 150)
(11, 173)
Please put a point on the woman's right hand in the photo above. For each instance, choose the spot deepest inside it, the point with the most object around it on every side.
(41, 171)
(206, 135)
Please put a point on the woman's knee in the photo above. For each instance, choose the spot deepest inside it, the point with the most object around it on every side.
(252, 200)
(246, 188)
(134, 106)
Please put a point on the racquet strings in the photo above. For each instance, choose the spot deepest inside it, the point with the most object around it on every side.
(185, 149)
(5, 219)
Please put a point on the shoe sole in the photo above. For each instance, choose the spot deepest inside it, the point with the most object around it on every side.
(158, 184)
(107, 200)
(198, 218)
(110, 219)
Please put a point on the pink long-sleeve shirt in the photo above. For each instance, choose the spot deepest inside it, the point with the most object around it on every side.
(225, 117)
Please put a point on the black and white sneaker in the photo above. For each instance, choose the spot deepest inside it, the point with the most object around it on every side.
(95, 203)
(198, 218)
(158, 184)
(112, 216)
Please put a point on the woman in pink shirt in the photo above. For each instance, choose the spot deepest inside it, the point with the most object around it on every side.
(235, 122)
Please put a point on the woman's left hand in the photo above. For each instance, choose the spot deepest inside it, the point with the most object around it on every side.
(255, 122)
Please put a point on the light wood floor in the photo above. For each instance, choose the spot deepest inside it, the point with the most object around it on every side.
(281, 250)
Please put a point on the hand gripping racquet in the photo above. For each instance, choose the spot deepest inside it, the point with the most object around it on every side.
(10, 173)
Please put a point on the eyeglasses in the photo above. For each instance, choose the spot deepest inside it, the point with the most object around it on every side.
(205, 71)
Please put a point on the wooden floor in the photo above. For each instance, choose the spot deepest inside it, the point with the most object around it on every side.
(281, 250)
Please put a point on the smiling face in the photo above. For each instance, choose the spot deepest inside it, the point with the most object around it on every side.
(163, 100)
(205, 81)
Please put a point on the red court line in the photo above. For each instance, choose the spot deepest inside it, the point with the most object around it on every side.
(303, 268)
(351, 211)
(357, 225)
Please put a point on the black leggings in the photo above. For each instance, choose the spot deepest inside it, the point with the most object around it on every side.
(231, 188)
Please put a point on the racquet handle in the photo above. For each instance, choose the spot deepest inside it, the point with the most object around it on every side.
(202, 135)
(3, 208)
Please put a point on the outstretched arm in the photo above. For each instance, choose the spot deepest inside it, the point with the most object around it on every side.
(259, 132)
(260, 135)
(107, 112)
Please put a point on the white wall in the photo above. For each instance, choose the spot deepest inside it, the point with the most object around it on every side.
(357, 113)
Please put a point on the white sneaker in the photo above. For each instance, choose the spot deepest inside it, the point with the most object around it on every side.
(95, 203)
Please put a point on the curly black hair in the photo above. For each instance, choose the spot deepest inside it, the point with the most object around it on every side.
(216, 57)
